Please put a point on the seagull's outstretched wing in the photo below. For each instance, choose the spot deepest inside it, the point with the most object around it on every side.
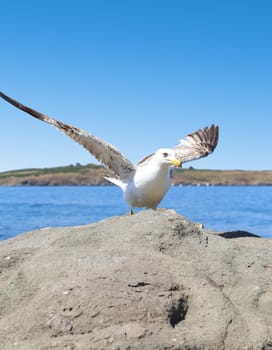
(197, 145)
(101, 150)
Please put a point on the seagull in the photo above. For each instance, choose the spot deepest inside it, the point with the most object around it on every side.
(145, 183)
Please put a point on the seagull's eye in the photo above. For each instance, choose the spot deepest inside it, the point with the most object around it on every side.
(165, 154)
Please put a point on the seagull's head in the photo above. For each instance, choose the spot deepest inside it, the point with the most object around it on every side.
(167, 157)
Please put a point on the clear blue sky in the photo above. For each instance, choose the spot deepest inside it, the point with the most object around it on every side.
(140, 75)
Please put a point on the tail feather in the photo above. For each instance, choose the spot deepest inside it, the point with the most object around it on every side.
(117, 182)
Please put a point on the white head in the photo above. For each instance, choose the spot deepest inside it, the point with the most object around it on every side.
(166, 157)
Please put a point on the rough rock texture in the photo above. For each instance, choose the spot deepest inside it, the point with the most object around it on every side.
(149, 281)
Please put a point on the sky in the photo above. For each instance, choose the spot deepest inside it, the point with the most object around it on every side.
(138, 74)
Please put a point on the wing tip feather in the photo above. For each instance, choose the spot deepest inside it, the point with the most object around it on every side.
(198, 144)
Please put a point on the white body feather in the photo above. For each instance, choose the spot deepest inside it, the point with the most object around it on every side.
(149, 185)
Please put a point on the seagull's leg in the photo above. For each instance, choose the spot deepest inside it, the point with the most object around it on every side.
(131, 211)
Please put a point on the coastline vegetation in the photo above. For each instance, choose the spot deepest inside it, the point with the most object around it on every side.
(92, 174)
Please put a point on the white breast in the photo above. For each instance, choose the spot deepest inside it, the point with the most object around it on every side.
(148, 187)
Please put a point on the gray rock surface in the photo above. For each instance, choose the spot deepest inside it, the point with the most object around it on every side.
(149, 281)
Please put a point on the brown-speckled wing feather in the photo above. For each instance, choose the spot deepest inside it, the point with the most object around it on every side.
(104, 152)
(197, 145)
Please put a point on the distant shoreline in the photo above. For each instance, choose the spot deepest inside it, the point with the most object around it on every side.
(93, 175)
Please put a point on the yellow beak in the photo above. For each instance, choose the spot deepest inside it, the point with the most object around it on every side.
(176, 162)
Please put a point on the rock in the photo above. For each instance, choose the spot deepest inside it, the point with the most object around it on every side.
(148, 281)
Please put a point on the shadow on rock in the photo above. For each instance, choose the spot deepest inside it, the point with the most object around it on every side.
(237, 234)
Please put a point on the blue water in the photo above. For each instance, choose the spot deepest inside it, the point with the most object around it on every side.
(218, 208)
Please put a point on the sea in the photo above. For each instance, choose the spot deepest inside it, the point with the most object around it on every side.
(218, 208)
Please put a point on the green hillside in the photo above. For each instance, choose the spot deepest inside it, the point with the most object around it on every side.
(92, 174)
